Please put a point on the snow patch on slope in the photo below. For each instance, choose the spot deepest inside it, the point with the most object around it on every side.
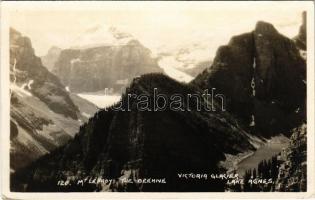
(14, 87)
(20, 91)
(101, 101)
(100, 35)
(28, 85)
(67, 88)
(86, 115)
(170, 67)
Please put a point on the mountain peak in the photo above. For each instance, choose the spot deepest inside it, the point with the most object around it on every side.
(300, 39)
(51, 57)
(265, 28)
(45, 85)
(251, 70)
(100, 35)
(54, 50)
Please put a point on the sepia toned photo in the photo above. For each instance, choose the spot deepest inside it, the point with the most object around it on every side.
(116, 97)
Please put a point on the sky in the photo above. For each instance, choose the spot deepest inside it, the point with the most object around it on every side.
(157, 25)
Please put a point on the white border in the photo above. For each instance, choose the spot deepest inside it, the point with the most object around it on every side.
(6, 7)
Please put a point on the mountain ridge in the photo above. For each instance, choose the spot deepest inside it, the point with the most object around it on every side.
(158, 135)
(261, 62)
(140, 144)
(43, 114)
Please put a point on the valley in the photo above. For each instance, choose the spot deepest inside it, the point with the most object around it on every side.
(273, 146)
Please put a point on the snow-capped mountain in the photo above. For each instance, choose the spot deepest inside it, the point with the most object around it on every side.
(179, 61)
(100, 35)
(184, 61)
(103, 57)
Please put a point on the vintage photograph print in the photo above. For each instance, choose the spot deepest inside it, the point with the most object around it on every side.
(114, 97)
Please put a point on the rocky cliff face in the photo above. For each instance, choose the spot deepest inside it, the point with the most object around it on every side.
(109, 66)
(43, 114)
(300, 39)
(51, 57)
(264, 79)
(24, 66)
(293, 172)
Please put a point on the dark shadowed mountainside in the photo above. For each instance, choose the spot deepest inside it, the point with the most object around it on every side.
(264, 79)
(144, 144)
(292, 174)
